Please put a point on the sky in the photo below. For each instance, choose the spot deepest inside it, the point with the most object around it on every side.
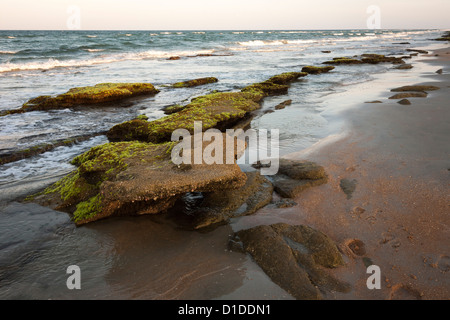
(221, 14)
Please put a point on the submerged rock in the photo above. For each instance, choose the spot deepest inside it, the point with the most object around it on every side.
(343, 60)
(133, 178)
(225, 204)
(100, 93)
(415, 88)
(283, 105)
(404, 67)
(375, 101)
(417, 50)
(317, 70)
(217, 110)
(294, 257)
(379, 58)
(195, 82)
(444, 37)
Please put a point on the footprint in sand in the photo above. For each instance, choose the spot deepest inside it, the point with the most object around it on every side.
(348, 186)
(357, 247)
(404, 292)
(391, 239)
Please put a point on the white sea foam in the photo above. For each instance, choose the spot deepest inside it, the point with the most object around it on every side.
(94, 50)
(54, 63)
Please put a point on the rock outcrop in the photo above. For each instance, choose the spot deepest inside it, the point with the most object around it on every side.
(98, 94)
(133, 178)
(294, 257)
(195, 82)
(419, 88)
(296, 176)
(403, 95)
(219, 110)
(223, 205)
(317, 70)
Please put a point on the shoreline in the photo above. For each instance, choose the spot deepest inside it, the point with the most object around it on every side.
(398, 156)
(393, 179)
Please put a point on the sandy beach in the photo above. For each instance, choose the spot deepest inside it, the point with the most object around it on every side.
(398, 215)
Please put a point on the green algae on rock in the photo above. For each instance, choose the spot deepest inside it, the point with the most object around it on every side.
(173, 108)
(343, 60)
(216, 110)
(195, 82)
(317, 70)
(380, 58)
(100, 93)
(220, 110)
(132, 178)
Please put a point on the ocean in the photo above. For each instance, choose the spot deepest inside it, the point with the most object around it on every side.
(34, 63)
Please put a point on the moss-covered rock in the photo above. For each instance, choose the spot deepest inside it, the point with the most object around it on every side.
(173, 108)
(380, 58)
(343, 60)
(268, 88)
(100, 93)
(217, 110)
(287, 77)
(195, 82)
(221, 110)
(294, 257)
(133, 178)
(317, 70)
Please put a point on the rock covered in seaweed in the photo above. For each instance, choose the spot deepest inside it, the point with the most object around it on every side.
(195, 82)
(133, 178)
(91, 95)
(343, 60)
(216, 110)
(294, 257)
(317, 70)
(221, 110)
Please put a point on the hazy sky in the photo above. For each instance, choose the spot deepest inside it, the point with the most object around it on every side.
(220, 14)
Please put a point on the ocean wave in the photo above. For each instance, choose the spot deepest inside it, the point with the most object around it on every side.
(260, 43)
(55, 63)
(94, 50)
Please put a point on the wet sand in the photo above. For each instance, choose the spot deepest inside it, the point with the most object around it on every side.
(398, 159)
